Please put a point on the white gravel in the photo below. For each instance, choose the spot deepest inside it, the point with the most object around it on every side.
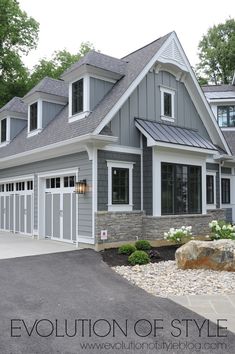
(165, 279)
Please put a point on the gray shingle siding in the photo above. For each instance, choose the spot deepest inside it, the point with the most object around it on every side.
(103, 156)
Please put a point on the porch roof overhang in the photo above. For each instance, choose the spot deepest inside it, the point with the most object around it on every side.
(171, 136)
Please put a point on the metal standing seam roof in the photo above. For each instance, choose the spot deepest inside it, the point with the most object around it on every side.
(166, 133)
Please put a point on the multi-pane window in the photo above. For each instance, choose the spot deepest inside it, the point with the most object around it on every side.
(69, 181)
(53, 182)
(10, 187)
(181, 189)
(120, 185)
(33, 122)
(225, 190)
(20, 186)
(210, 189)
(3, 130)
(2, 187)
(77, 97)
(29, 185)
(226, 116)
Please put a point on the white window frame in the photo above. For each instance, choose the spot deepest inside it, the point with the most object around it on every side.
(86, 99)
(120, 164)
(210, 173)
(172, 93)
(39, 118)
(4, 143)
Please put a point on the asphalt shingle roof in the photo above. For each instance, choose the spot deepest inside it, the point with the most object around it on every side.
(166, 133)
(100, 60)
(59, 129)
(51, 86)
(16, 104)
(218, 88)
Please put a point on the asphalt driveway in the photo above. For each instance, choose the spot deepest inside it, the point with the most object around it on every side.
(68, 302)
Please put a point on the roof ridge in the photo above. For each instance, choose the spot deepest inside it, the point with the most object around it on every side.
(146, 45)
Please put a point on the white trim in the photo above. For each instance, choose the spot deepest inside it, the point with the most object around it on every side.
(39, 118)
(120, 164)
(172, 93)
(122, 149)
(78, 116)
(59, 173)
(225, 176)
(85, 239)
(17, 179)
(57, 149)
(168, 156)
(8, 131)
(34, 132)
(141, 174)
(102, 78)
(86, 99)
(94, 190)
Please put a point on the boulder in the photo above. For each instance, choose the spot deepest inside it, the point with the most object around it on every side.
(216, 255)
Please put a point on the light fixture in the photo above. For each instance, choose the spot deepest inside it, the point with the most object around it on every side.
(80, 187)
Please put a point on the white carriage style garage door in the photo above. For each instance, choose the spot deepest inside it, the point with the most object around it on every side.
(16, 207)
(60, 208)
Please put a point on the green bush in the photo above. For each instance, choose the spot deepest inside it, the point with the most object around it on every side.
(222, 230)
(126, 249)
(143, 245)
(139, 257)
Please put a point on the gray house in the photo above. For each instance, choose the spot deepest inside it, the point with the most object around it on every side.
(115, 150)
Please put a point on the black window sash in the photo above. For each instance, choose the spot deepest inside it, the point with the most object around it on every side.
(210, 189)
(3, 130)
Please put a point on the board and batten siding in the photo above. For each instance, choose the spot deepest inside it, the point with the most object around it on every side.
(16, 125)
(49, 112)
(145, 102)
(79, 160)
(103, 156)
(98, 89)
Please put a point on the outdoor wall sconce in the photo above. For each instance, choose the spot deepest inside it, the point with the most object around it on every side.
(80, 187)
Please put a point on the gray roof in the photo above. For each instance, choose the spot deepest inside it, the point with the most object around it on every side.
(229, 136)
(51, 86)
(100, 60)
(16, 104)
(220, 95)
(161, 132)
(59, 129)
(218, 88)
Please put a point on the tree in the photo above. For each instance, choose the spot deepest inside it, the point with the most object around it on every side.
(217, 54)
(59, 62)
(18, 35)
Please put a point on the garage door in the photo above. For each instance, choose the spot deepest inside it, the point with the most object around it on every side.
(60, 208)
(16, 207)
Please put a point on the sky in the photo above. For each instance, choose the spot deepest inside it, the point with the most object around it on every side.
(119, 27)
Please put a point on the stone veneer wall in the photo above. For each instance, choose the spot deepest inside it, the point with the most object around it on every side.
(128, 226)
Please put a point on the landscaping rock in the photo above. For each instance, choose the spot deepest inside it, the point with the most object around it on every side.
(216, 255)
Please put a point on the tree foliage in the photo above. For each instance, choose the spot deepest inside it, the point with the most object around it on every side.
(217, 54)
(59, 62)
(18, 35)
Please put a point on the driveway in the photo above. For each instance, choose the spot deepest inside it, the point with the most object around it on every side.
(13, 245)
(68, 302)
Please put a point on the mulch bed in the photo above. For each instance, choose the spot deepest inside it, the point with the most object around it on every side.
(157, 254)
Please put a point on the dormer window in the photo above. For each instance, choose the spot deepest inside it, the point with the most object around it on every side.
(33, 121)
(3, 130)
(77, 97)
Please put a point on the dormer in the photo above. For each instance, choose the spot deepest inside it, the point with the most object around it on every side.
(45, 101)
(13, 118)
(89, 80)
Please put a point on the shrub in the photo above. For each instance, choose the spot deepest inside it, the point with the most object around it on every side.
(126, 249)
(139, 257)
(143, 245)
(177, 235)
(222, 230)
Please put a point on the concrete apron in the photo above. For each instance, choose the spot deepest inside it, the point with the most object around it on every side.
(212, 307)
(13, 246)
